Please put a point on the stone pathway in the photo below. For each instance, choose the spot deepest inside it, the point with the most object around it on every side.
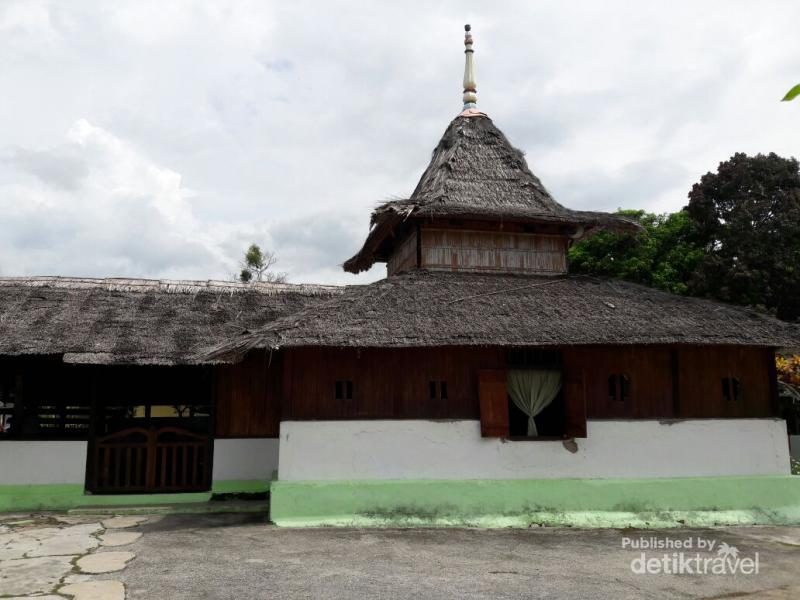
(54, 557)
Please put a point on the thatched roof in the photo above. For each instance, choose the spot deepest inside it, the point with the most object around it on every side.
(426, 308)
(137, 321)
(475, 173)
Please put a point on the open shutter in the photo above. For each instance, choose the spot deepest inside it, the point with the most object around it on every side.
(575, 400)
(494, 403)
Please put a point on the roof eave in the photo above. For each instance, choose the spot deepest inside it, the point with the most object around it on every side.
(387, 218)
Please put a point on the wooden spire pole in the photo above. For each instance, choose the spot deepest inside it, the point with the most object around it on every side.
(470, 87)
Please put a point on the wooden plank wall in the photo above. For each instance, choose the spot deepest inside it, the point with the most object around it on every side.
(698, 370)
(387, 383)
(405, 256)
(248, 396)
(493, 251)
(649, 371)
(394, 383)
(700, 381)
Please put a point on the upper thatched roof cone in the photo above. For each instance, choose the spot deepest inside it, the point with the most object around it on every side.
(475, 173)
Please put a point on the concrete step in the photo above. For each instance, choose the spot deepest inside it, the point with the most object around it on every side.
(213, 506)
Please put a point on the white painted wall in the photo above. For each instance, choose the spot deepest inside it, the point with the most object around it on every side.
(330, 450)
(245, 458)
(23, 462)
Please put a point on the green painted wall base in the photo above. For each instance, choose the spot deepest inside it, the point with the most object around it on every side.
(244, 486)
(67, 496)
(700, 501)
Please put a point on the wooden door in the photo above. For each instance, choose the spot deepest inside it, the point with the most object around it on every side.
(493, 395)
(138, 460)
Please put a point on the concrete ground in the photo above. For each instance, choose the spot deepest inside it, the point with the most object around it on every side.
(227, 556)
(239, 556)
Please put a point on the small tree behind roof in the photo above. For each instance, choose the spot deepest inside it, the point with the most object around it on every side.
(257, 264)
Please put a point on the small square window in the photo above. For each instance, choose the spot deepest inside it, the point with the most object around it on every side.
(437, 390)
(619, 387)
(731, 389)
(343, 389)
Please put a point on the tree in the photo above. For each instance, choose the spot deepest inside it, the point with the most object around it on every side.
(664, 255)
(788, 370)
(738, 240)
(747, 218)
(257, 264)
(792, 94)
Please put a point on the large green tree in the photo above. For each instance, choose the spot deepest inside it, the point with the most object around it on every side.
(664, 255)
(747, 217)
(738, 240)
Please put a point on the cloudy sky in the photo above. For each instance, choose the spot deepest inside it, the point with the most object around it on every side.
(158, 139)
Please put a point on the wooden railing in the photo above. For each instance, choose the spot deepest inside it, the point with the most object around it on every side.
(168, 459)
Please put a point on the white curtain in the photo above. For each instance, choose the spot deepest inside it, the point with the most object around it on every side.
(532, 390)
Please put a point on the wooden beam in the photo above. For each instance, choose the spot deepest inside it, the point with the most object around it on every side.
(676, 387)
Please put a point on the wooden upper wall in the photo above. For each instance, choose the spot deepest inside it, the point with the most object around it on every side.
(678, 382)
(248, 396)
(480, 250)
(395, 383)
(386, 383)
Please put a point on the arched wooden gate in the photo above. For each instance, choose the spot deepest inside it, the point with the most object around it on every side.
(139, 460)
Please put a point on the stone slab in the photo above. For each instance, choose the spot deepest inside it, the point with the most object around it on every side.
(33, 575)
(123, 522)
(95, 590)
(16, 545)
(75, 539)
(48, 597)
(105, 562)
(119, 538)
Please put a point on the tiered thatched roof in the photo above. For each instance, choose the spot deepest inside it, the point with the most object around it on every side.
(138, 321)
(425, 308)
(475, 173)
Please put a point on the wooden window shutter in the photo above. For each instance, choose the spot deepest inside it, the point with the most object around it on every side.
(493, 398)
(575, 401)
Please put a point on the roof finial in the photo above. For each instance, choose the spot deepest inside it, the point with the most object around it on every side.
(470, 87)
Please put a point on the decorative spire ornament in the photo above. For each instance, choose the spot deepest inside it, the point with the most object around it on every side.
(470, 87)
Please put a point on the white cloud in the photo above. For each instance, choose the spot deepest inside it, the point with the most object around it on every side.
(195, 128)
(96, 205)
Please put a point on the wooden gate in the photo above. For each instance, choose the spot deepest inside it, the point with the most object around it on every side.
(166, 459)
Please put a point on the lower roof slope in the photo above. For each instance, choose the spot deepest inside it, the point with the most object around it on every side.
(427, 308)
(137, 321)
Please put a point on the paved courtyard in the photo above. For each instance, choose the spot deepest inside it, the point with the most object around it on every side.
(44, 554)
(239, 556)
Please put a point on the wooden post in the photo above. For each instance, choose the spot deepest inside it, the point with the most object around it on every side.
(92, 465)
(151, 459)
(676, 389)
(575, 401)
(286, 388)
